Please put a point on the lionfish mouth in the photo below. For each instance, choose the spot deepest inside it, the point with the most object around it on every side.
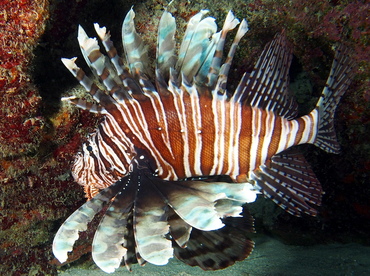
(177, 157)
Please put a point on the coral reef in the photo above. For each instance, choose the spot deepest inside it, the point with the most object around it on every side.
(39, 135)
(35, 149)
(21, 25)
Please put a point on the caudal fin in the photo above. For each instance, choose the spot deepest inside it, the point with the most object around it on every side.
(341, 74)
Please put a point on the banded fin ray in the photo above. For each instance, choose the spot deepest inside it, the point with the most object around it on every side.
(150, 224)
(225, 68)
(121, 85)
(131, 256)
(180, 230)
(134, 46)
(116, 79)
(197, 46)
(196, 201)
(108, 247)
(166, 58)
(89, 86)
(77, 222)
(99, 64)
(230, 23)
(290, 182)
(267, 86)
(190, 29)
(109, 48)
(218, 249)
(341, 75)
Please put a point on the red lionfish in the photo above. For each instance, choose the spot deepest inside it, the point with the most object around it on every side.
(178, 155)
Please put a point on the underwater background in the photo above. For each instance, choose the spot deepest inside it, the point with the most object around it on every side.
(39, 134)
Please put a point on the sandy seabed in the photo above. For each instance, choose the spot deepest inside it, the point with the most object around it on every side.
(269, 258)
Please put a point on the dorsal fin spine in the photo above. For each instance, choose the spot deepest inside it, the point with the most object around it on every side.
(166, 45)
(134, 46)
(109, 47)
(225, 68)
(230, 23)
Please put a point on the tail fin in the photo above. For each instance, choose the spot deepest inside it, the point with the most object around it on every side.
(340, 77)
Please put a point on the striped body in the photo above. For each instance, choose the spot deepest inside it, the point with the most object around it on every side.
(178, 155)
(191, 135)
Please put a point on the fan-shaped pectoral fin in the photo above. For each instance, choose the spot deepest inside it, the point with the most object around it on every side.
(77, 222)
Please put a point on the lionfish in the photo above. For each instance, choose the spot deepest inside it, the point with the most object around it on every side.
(178, 155)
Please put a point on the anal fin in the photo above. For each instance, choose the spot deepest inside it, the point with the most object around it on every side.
(290, 182)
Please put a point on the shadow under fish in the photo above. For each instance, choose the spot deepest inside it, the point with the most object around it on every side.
(178, 156)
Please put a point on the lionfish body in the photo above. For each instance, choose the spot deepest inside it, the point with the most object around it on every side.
(177, 157)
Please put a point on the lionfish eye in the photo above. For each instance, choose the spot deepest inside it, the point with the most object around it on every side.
(89, 148)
